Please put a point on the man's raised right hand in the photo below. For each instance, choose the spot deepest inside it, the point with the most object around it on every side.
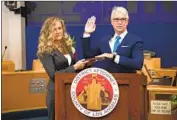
(90, 25)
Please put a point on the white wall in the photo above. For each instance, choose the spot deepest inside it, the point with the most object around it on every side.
(5, 26)
(13, 32)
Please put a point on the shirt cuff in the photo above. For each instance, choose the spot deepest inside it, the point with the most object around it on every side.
(116, 60)
(85, 35)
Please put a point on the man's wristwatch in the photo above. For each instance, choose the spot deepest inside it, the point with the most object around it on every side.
(114, 55)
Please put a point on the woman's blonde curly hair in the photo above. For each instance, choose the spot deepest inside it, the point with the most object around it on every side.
(46, 42)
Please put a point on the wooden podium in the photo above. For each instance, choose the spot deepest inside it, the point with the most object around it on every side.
(132, 103)
(8, 66)
(37, 65)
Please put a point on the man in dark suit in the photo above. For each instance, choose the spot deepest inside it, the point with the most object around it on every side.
(121, 52)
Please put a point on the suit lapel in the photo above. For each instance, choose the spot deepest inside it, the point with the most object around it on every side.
(107, 46)
(108, 49)
(72, 55)
(61, 56)
(72, 58)
(64, 58)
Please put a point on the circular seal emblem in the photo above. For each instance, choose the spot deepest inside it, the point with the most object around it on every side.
(94, 92)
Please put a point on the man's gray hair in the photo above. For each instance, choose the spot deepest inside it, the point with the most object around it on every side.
(117, 9)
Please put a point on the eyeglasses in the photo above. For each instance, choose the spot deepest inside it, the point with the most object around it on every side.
(119, 19)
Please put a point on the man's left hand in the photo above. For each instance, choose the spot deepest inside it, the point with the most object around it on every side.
(105, 55)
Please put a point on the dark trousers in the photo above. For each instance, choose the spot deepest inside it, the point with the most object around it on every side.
(50, 102)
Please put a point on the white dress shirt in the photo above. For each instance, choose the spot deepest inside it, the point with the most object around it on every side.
(112, 42)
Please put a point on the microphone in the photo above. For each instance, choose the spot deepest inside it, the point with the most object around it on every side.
(4, 52)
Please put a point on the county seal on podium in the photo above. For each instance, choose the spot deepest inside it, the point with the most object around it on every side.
(94, 92)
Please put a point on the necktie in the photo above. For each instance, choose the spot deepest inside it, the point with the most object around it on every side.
(116, 44)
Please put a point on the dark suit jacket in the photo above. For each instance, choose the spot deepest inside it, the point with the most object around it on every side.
(56, 62)
(130, 51)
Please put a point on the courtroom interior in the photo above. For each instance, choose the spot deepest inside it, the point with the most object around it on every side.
(148, 94)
